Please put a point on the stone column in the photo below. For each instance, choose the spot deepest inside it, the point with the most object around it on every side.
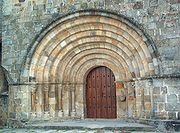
(142, 99)
(33, 99)
(52, 100)
(66, 100)
(39, 99)
(73, 111)
(127, 102)
(80, 100)
(151, 98)
(121, 100)
(139, 99)
(60, 89)
(46, 100)
(133, 85)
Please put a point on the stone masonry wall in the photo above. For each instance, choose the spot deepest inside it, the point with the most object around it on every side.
(24, 19)
(166, 98)
(3, 98)
(154, 98)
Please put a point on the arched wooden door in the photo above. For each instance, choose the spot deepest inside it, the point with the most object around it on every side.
(101, 93)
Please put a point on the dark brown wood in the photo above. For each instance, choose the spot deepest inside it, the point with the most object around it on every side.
(101, 93)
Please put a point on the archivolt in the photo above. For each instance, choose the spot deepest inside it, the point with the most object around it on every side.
(70, 46)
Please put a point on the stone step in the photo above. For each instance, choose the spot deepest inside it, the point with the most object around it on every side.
(91, 125)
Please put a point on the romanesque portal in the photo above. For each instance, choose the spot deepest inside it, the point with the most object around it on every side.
(59, 60)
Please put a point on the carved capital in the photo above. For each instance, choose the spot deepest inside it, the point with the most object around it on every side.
(33, 88)
(73, 87)
(46, 88)
(59, 86)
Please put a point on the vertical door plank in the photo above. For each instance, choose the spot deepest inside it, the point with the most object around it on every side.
(98, 90)
(94, 94)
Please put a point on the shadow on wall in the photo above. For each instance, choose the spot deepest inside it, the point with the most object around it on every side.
(3, 96)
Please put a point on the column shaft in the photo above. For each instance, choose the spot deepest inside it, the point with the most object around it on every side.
(33, 96)
(52, 100)
(39, 99)
(60, 96)
(46, 101)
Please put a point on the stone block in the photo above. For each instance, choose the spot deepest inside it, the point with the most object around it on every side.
(169, 53)
(84, 5)
(24, 116)
(174, 89)
(147, 98)
(172, 98)
(17, 101)
(161, 107)
(138, 99)
(162, 115)
(147, 106)
(138, 92)
(138, 5)
(156, 90)
(174, 1)
(130, 98)
(153, 2)
(157, 83)
(172, 115)
(159, 98)
(146, 91)
(164, 90)
(172, 106)
(12, 115)
(131, 92)
(152, 25)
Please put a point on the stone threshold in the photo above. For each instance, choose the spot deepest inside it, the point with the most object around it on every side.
(90, 124)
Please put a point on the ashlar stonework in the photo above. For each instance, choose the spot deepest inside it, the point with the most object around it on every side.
(49, 48)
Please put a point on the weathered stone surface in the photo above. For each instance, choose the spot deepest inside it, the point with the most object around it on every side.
(22, 22)
(172, 106)
(174, 1)
(156, 90)
(164, 90)
(138, 5)
(159, 98)
(172, 98)
(172, 115)
(3, 97)
(161, 107)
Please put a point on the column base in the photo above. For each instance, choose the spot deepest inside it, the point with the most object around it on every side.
(39, 114)
(46, 115)
(73, 113)
(33, 115)
(52, 114)
(60, 113)
(135, 113)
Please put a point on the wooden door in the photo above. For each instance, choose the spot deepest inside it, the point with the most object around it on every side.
(101, 93)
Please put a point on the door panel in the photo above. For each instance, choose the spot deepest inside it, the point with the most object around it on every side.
(101, 93)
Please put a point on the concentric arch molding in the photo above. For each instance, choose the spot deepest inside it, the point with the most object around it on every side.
(73, 44)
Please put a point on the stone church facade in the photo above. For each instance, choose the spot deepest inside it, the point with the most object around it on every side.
(68, 59)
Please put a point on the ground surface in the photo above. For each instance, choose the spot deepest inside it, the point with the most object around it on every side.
(90, 124)
(72, 131)
(85, 126)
